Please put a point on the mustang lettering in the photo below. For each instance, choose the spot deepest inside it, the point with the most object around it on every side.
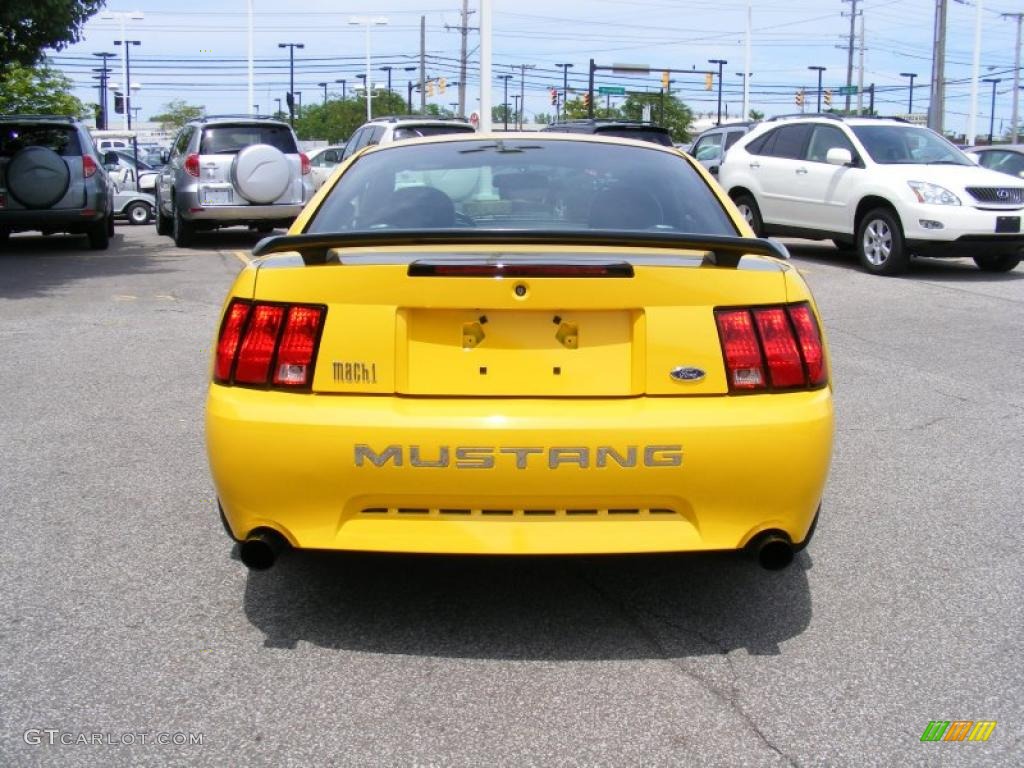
(485, 457)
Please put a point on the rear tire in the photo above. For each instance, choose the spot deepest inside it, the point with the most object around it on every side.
(99, 234)
(182, 231)
(880, 245)
(996, 263)
(750, 211)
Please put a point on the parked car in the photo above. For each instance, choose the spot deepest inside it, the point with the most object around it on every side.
(1005, 158)
(626, 129)
(443, 355)
(53, 180)
(127, 174)
(227, 170)
(884, 187)
(384, 130)
(710, 146)
(323, 161)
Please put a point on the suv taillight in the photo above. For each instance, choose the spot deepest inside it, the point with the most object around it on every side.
(306, 168)
(776, 348)
(192, 165)
(88, 166)
(268, 344)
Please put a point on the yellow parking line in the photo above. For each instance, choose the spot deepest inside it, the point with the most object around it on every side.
(243, 257)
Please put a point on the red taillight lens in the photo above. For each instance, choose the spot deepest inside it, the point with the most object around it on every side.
(192, 165)
(268, 344)
(785, 368)
(298, 344)
(305, 163)
(88, 166)
(230, 336)
(743, 361)
(810, 343)
(257, 350)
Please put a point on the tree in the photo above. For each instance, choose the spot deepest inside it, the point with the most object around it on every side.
(574, 109)
(755, 115)
(28, 28)
(176, 113)
(336, 119)
(666, 110)
(38, 90)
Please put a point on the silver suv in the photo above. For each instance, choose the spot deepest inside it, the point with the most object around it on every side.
(53, 180)
(384, 130)
(227, 170)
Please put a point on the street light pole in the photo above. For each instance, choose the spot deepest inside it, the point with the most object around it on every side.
(368, 22)
(721, 63)
(910, 103)
(121, 17)
(819, 70)
(127, 79)
(992, 114)
(291, 77)
(504, 104)
(565, 87)
(344, 94)
(324, 86)
(515, 114)
(104, 73)
(387, 68)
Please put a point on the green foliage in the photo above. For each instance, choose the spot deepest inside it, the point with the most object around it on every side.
(755, 115)
(28, 27)
(335, 120)
(543, 118)
(176, 113)
(574, 109)
(667, 111)
(38, 90)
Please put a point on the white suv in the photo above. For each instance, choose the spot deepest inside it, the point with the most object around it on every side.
(882, 186)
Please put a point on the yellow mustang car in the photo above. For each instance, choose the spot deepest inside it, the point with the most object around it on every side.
(520, 344)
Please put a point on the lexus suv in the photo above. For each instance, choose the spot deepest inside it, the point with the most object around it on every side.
(53, 180)
(884, 187)
(225, 170)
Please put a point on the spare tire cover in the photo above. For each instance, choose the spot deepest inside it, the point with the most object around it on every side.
(260, 173)
(37, 177)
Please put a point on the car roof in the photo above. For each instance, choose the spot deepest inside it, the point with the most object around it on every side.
(1005, 147)
(595, 138)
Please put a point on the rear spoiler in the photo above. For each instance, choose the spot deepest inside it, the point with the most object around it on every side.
(719, 250)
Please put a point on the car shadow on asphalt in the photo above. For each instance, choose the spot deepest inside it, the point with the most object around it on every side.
(530, 608)
(36, 265)
(951, 270)
(232, 238)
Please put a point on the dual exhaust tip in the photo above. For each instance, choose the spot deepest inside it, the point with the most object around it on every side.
(260, 550)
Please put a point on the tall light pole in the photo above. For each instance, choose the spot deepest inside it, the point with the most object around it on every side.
(121, 17)
(291, 77)
(565, 87)
(744, 77)
(344, 94)
(1015, 117)
(819, 70)
(721, 63)
(910, 103)
(278, 107)
(104, 73)
(516, 115)
(368, 21)
(504, 104)
(992, 114)
(387, 68)
(410, 86)
(127, 79)
(324, 86)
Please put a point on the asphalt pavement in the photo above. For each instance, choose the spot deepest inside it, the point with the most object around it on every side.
(126, 618)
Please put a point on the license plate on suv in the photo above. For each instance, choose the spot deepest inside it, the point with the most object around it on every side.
(222, 197)
(1008, 224)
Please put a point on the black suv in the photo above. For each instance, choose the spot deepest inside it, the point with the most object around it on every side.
(52, 179)
(625, 129)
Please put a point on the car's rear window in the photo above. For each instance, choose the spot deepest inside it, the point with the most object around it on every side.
(419, 131)
(522, 184)
(16, 136)
(639, 134)
(228, 139)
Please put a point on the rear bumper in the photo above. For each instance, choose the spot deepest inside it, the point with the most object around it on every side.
(518, 476)
(64, 219)
(242, 214)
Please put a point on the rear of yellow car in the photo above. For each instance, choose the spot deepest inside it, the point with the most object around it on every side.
(519, 398)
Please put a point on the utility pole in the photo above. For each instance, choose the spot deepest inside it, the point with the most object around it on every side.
(104, 76)
(1015, 120)
(849, 49)
(565, 87)
(515, 115)
(463, 57)
(972, 110)
(937, 105)
(504, 104)
(423, 65)
(860, 69)
(522, 90)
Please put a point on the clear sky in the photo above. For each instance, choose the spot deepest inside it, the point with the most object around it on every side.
(195, 49)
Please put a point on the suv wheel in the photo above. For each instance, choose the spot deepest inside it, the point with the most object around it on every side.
(99, 233)
(748, 207)
(182, 231)
(880, 244)
(996, 263)
(163, 223)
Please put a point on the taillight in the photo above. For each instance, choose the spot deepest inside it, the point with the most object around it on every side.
(771, 347)
(88, 166)
(192, 165)
(263, 344)
(305, 163)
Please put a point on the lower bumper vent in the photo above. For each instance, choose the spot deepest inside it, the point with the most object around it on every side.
(528, 514)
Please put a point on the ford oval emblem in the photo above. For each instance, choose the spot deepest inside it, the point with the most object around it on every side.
(686, 373)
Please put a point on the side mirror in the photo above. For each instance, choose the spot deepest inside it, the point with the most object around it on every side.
(110, 158)
(713, 170)
(164, 157)
(838, 156)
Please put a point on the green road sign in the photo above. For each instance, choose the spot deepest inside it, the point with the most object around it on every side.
(611, 90)
(848, 90)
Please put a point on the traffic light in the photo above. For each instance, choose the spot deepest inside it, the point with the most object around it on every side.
(430, 87)
(586, 100)
(709, 81)
(799, 99)
(828, 97)
(119, 102)
(664, 79)
(554, 96)
(442, 83)
(289, 99)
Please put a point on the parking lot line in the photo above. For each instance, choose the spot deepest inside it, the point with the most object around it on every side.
(243, 257)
